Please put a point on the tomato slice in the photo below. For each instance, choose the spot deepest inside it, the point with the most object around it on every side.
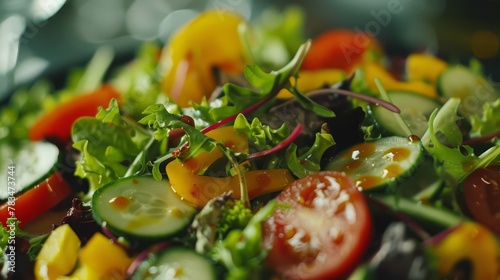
(482, 196)
(325, 231)
(36, 200)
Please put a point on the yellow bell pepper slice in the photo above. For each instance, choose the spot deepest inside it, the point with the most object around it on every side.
(473, 242)
(373, 70)
(58, 255)
(424, 67)
(197, 189)
(104, 258)
(310, 80)
(210, 40)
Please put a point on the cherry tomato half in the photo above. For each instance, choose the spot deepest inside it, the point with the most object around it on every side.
(325, 231)
(482, 196)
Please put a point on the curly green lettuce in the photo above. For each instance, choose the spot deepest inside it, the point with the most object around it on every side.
(108, 144)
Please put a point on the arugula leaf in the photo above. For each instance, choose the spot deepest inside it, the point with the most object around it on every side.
(236, 99)
(162, 121)
(108, 144)
(309, 104)
(308, 162)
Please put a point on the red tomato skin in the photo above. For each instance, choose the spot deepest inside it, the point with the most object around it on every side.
(57, 123)
(482, 196)
(340, 49)
(36, 200)
(341, 255)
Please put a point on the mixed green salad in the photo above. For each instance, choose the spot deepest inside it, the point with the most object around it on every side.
(253, 152)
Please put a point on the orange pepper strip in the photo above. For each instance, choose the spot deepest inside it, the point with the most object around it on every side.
(424, 67)
(58, 122)
(199, 189)
(372, 71)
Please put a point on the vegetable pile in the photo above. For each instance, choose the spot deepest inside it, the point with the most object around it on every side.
(254, 153)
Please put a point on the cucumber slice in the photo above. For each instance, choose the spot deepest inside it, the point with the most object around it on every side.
(141, 208)
(415, 111)
(32, 163)
(461, 82)
(175, 263)
(376, 164)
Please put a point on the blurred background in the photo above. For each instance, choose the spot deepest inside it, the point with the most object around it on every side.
(45, 37)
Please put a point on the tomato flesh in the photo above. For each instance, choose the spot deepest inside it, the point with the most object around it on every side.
(325, 231)
(36, 200)
(482, 196)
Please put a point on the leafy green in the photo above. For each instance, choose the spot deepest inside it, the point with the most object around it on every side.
(235, 99)
(443, 141)
(108, 144)
(158, 118)
(205, 223)
(309, 161)
(488, 122)
(242, 252)
(277, 35)
(217, 218)
(139, 81)
(6, 241)
(22, 110)
(261, 135)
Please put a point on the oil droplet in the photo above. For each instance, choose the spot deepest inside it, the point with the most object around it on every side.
(467, 165)
(399, 154)
(230, 144)
(175, 212)
(351, 166)
(392, 171)
(413, 138)
(368, 181)
(361, 151)
(192, 165)
(263, 180)
(120, 202)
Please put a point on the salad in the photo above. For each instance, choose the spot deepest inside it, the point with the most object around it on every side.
(254, 153)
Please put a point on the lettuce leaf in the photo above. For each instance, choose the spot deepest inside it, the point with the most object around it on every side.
(263, 136)
(488, 122)
(443, 141)
(108, 144)
(309, 161)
